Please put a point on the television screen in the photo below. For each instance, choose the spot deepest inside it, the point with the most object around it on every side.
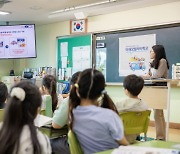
(17, 41)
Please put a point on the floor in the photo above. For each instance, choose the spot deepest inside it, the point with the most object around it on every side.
(174, 134)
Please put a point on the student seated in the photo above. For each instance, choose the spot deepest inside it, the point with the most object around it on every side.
(97, 128)
(60, 119)
(132, 87)
(17, 132)
(3, 94)
(49, 87)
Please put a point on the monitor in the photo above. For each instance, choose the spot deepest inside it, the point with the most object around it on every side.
(17, 41)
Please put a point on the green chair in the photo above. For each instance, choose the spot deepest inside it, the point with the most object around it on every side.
(75, 147)
(136, 122)
(43, 112)
(48, 106)
(1, 114)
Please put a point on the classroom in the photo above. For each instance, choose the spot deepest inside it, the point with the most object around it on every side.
(125, 16)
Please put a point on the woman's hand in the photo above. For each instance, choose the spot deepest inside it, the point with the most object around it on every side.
(147, 76)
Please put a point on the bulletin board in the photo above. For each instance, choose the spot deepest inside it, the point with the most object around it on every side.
(166, 35)
(69, 44)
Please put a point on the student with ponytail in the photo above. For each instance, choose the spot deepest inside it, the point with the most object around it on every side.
(93, 116)
(17, 132)
(49, 88)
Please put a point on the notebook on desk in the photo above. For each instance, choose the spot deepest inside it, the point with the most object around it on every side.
(143, 150)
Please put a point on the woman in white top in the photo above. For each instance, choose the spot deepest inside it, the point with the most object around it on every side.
(18, 135)
(93, 116)
(159, 69)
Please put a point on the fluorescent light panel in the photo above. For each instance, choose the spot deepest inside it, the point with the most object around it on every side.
(79, 7)
(4, 13)
(80, 15)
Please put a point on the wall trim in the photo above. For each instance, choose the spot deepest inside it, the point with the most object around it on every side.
(171, 125)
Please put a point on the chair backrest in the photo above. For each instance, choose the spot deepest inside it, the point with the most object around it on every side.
(48, 106)
(43, 112)
(1, 114)
(135, 122)
(75, 147)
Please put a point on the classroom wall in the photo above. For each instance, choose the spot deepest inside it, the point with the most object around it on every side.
(5, 67)
(153, 15)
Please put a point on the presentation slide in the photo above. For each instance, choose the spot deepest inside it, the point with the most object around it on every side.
(17, 41)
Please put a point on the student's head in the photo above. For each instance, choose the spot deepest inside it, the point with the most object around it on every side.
(90, 86)
(157, 53)
(133, 84)
(22, 108)
(49, 86)
(74, 78)
(3, 92)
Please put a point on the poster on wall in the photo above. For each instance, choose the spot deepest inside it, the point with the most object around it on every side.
(134, 54)
(81, 58)
(64, 49)
(101, 60)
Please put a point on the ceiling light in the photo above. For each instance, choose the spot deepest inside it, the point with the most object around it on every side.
(4, 13)
(55, 13)
(80, 15)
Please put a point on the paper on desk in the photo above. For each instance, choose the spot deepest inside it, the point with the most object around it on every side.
(176, 146)
(42, 120)
(143, 150)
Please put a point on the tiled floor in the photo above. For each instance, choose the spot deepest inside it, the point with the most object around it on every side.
(174, 134)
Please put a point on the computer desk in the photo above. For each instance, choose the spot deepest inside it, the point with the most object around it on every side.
(156, 93)
(153, 144)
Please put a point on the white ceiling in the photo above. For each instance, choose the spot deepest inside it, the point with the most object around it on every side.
(37, 11)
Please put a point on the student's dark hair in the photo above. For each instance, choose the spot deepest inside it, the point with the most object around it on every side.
(133, 84)
(159, 54)
(74, 77)
(90, 85)
(19, 113)
(49, 81)
(3, 92)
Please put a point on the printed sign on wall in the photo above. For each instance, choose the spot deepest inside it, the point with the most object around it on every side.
(134, 54)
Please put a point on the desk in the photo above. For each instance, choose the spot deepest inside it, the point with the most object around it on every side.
(156, 93)
(53, 133)
(154, 144)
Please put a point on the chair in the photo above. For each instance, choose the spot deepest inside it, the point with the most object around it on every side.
(136, 122)
(75, 147)
(43, 112)
(48, 106)
(1, 114)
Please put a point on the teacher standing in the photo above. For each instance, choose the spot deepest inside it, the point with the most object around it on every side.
(159, 69)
